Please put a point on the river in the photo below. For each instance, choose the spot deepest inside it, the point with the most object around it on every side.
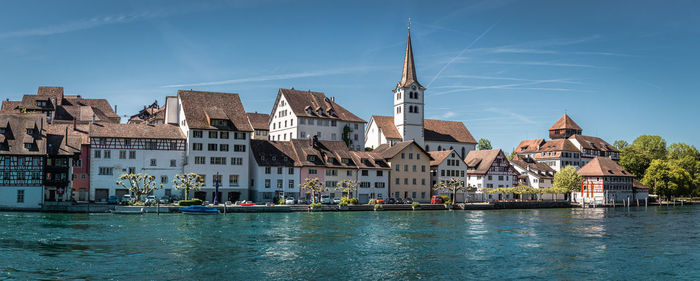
(658, 243)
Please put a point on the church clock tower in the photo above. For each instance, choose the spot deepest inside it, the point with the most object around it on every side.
(408, 100)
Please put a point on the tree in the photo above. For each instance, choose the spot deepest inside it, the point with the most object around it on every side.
(347, 186)
(637, 157)
(688, 158)
(452, 185)
(512, 155)
(139, 184)
(484, 144)
(313, 186)
(188, 182)
(523, 189)
(567, 179)
(667, 179)
(620, 144)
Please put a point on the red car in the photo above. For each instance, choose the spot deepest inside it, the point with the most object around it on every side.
(436, 200)
(379, 200)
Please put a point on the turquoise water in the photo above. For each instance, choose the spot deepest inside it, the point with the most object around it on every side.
(654, 243)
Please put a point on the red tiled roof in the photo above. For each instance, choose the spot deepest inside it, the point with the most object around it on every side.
(136, 131)
(439, 156)
(434, 130)
(565, 122)
(529, 146)
(594, 143)
(602, 167)
(260, 121)
(408, 74)
(299, 101)
(558, 145)
(15, 126)
(481, 160)
(199, 105)
(386, 124)
(638, 185)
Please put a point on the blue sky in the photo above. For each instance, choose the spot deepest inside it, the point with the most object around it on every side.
(507, 69)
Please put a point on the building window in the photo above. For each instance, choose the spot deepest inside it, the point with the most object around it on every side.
(217, 160)
(398, 181)
(405, 181)
(132, 170)
(268, 170)
(279, 183)
(349, 173)
(267, 183)
(98, 154)
(403, 155)
(132, 154)
(398, 168)
(239, 147)
(291, 184)
(415, 181)
(20, 196)
(105, 171)
(290, 171)
(239, 136)
(211, 147)
(380, 173)
(422, 181)
(313, 171)
(405, 168)
(197, 134)
(163, 179)
(233, 180)
(173, 163)
(122, 154)
(153, 162)
(197, 146)
(213, 134)
(223, 147)
(279, 170)
(236, 161)
(365, 173)
(200, 160)
(107, 154)
(223, 135)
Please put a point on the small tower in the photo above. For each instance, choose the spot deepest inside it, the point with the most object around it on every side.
(564, 128)
(408, 100)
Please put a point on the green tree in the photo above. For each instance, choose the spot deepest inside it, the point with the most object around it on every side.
(348, 187)
(452, 185)
(512, 155)
(139, 184)
(312, 186)
(667, 179)
(567, 179)
(687, 157)
(637, 157)
(484, 144)
(620, 144)
(188, 182)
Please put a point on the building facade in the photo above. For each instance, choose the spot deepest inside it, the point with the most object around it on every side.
(490, 169)
(447, 165)
(409, 176)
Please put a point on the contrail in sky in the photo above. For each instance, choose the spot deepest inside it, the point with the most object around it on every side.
(460, 54)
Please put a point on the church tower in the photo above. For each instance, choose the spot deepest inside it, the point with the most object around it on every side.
(408, 100)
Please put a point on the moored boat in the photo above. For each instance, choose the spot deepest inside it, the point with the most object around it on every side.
(198, 210)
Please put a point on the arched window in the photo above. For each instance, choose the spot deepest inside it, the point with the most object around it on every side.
(439, 148)
(415, 110)
(464, 153)
(398, 95)
(427, 147)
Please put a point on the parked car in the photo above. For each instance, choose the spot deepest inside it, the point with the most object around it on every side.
(336, 200)
(289, 201)
(127, 198)
(150, 199)
(113, 200)
(436, 200)
(399, 201)
(379, 199)
(325, 199)
(391, 201)
(164, 200)
(408, 201)
(302, 201)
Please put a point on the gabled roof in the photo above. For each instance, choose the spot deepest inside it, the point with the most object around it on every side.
(539, 169)
(369, 159)
(66, 108)
(558, 145)
(603, 167)
(434, 130)
(299, 101)
(135, 131)
(565, 122)
(594, 143)
(15, 126)
(386, 124)
(274, 153)
(198, 104)
(408, 74)
(439, 156)
(62, 139)
(528, 146)
(480, 161)
(326, 153)
(389, 151)
(638, 185)
(9, 105)
(260, 121)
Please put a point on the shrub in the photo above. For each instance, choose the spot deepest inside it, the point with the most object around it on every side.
(378, 206)
(342, 203)
(415, 204)
(448, 202)
(372, 201)
(280, 201)
(189, 202)
(345, 201)
(445, 198)
(354, 201)
(316, 205)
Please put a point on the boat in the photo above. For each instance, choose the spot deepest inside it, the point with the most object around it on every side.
(198, 210)
(127, 211)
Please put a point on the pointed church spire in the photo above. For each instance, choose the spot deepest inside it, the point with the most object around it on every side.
(408, 76)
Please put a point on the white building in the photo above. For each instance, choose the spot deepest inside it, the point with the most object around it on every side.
(22, 160)
(274, 171)
(605, 181)
(117, 149)
(409, 123)
(218, 135)
(372, 176)
(490, 169)
(303, 114)
(446, 166)
(535, 174)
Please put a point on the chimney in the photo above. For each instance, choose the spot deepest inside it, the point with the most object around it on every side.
(115, 108)
(75, 124)
(77, 100)
(333, 99)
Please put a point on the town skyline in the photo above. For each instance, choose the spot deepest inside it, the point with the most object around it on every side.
(505, 82)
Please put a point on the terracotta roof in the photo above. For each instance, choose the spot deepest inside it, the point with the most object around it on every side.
(558, 145)
(135, 131)
(480, 161)
(408, 74)
(529, 146)
(9, 105)
(434, 130)
(439, 156)
(369, 160)
(197, 105)
(325, 153)
(56, 92)
(602, 167)
(539, 169)
(638, 185)
(565, 122)
(67, 108)
(57, 144)
(15, 137)
(260, 121)
(389, 152)
(299, 101)
(448, 131)
(274, 153)
(594, 143)
(386, 124)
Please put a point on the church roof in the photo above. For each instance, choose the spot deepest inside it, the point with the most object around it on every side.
(565, 122)
(408, 75)
(434, 130)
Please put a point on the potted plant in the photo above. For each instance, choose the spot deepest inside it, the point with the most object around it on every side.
(415, 206)
(378, 207)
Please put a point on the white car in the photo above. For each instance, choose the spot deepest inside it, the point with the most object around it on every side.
(289, 201)
(325, 199)
(127, 198)
(336, 201)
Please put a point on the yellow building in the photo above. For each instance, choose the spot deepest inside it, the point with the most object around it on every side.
(410, 170)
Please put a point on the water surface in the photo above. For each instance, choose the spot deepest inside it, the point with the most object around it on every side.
(637, 243)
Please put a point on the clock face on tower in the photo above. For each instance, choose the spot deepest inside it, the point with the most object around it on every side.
(413, 87)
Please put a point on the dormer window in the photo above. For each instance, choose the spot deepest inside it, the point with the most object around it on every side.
(28, 146)
(319, 112)
(30, 131)
(2, 130)
(274, 158)
(218, 122)
(41, 103)
(309, 111)
(345, 160)
(331, 112)
(311, 158)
